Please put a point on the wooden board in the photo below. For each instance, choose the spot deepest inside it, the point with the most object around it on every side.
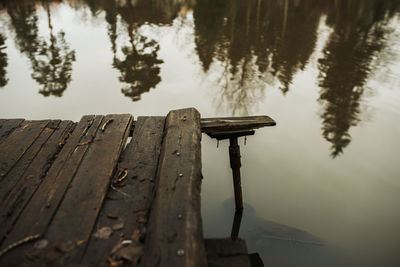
(226, 252)
(7, 126)
(174, 236)
(16, 171)
(77, 214)
(127, 206)
(211, 125)
(28, 175)
(38, 213)
(17, 143)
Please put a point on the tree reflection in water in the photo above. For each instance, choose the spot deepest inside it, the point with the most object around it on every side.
(355, 43)
(257, 42)
(140, 68)
(248, 45)
(265, 42)
(3, 62)
(51, 61)
(53, 66)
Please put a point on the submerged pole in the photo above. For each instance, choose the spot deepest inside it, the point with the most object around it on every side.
(237, 219)
(234, 156)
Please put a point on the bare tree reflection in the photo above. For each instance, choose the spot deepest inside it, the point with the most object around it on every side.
(140, 67)
(257, 42)
(51, 61)
(346, 65)
(3, 62)
(24, 21)
(52, 66)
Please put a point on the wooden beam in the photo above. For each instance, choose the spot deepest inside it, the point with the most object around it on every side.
(175, 236)
(210, 125)
(238, 126)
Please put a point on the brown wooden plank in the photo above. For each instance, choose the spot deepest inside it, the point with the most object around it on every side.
(209, 125)
(175, 235)
(9, 181)
(16, 144)
(129, 207)
(226, 252)
(77, 214)
(7, 126)
(38, 213)
(29, 179)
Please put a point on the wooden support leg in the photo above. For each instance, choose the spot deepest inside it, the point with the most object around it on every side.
(236, 225)
(234, 156)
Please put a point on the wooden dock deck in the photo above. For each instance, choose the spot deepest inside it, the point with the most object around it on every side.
(76, 194)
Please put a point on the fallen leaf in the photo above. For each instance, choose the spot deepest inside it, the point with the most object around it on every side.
(103, 233)
(66, 246)
(80, 242)
(111, 216)
(130, 253)
(118, 226)
(116, 248)
(114, 263)
(41, 244)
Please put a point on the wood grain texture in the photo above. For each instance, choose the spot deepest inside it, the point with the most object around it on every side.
(226, 252)
(40, 210)
(129, 207)
(175, 235)
(30, 177)
(211, 125)
(7, 126)
(76, 216)
(17, 170)
(17, 143)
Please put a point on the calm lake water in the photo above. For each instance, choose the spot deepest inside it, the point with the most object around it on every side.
(327, 71)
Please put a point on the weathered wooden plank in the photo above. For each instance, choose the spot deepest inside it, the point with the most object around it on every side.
(16, 144)
(7, 126)
(226, 252)
(129, 207)
(220, 135)
(74, 220)
(209, 125)
(9, 181)
(77, 214)
(38, 213)
(29, 179)
(175, 235)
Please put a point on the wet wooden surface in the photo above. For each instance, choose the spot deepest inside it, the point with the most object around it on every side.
(78, 194)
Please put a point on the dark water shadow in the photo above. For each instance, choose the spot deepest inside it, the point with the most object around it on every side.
(279, 244)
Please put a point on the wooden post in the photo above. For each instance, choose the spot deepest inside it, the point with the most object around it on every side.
(236, 224)
(234, 156)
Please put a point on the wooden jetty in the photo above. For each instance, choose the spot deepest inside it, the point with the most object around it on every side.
(111, 191)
